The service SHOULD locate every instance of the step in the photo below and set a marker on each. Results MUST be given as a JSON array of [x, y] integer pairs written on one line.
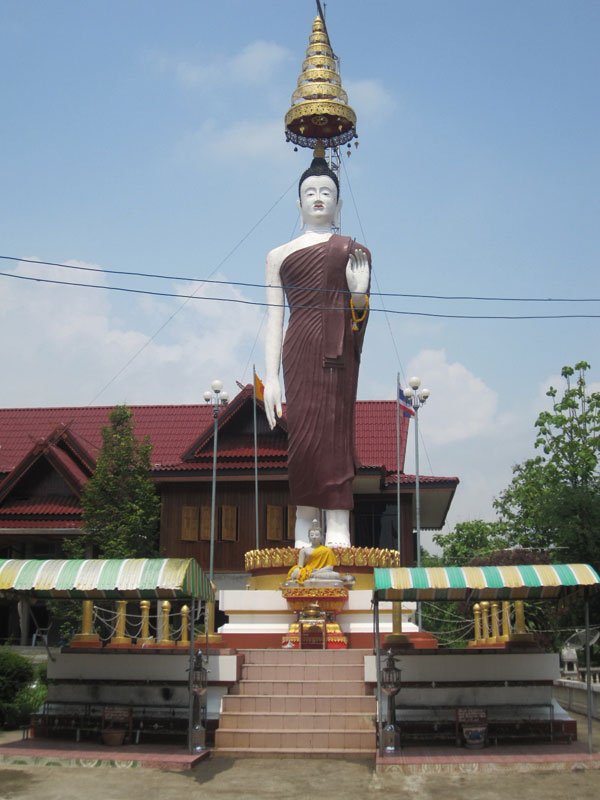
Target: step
[[303, 672], [291, 752], [293, 656], [323, 721], [337, 704], [306, 688], [300, 739]]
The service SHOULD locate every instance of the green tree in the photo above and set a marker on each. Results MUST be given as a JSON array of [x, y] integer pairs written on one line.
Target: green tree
[[470, 539], [121, 508], [553, 500]]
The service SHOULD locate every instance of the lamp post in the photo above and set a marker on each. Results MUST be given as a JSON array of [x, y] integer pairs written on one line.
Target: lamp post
[[417, 398], [391, 678], [217, 397]]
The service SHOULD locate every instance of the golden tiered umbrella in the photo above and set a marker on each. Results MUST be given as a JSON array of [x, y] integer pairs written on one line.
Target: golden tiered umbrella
[[320, 110]]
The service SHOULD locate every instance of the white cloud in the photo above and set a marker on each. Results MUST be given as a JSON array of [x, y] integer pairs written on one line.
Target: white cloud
[[240, 141], [67, 343], [461, 405], [257, 63], [369, 98]]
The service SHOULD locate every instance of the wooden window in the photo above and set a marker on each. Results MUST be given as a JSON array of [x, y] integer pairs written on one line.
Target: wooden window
[[190, 517], [274, 522], [229, 528], [205, 523], [291, 523]]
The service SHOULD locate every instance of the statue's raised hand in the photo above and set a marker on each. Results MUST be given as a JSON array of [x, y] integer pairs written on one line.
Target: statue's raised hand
[[357, 272], [272, 395]]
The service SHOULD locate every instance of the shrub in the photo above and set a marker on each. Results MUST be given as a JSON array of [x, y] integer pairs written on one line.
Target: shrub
[[17, 696], [42, 674], [26, 702], [16, 672]]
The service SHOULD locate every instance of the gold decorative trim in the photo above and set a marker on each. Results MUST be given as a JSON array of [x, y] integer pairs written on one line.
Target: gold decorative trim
[[330, 108], [317, 74], [310, 591], [314, 90], [318, 49], [318, 61], [282, 557]]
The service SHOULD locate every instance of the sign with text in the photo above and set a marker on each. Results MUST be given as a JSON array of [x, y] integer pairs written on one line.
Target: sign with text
[[471, 716]]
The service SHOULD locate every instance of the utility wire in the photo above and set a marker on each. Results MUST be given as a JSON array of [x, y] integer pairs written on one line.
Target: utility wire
[[374, 273], [264, 304], [407, 295]]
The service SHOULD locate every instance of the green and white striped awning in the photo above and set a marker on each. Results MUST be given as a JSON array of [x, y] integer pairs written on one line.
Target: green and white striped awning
[[113, 578], [523, 582]]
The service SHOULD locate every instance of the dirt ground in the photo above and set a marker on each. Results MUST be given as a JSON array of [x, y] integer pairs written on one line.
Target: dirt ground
[[292, 779]]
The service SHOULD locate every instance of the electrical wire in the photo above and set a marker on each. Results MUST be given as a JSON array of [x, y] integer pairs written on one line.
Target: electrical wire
[[187, 297], [247, 284]]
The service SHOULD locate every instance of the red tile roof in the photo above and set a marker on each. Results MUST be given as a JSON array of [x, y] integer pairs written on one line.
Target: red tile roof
[[410, 480], [35, 522], [50, 505], [171, 428], [179, 430]]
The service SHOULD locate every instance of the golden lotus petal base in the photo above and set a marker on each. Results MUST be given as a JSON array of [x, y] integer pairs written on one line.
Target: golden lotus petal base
[[282, 558]]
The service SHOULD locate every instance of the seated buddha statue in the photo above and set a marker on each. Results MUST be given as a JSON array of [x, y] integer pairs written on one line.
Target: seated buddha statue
[[316, 562]]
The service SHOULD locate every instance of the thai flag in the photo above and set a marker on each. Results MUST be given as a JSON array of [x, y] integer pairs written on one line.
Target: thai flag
[[405, 406]]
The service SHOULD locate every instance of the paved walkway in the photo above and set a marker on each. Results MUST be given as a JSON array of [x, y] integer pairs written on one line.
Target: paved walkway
[[293, 779]]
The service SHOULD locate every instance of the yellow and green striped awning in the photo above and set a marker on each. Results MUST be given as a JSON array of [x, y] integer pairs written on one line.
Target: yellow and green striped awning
[[524, 582], [113, 577]]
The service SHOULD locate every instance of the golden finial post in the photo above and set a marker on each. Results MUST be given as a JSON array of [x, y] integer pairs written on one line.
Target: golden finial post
[[165, 641], [485, 628], [476, 626], [184, 641], [495, 630], [119, 638], [505, 620], [87, 637], [145, 638]]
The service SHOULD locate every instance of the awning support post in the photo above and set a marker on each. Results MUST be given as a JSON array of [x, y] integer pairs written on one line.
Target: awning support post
[[588, 671], [191, 680], [378, 670]]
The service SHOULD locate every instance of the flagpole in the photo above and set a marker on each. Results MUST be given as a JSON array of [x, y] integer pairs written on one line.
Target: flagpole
[[255, 457], [398, 467]]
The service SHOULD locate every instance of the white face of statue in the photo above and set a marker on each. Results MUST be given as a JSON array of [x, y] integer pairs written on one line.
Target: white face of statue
[[318, 202], [314, 537]]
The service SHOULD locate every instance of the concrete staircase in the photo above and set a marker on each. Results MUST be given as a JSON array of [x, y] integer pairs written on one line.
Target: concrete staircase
[[304, 703]]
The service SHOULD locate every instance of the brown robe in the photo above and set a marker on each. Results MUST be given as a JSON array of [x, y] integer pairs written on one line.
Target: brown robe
[[321, 357]]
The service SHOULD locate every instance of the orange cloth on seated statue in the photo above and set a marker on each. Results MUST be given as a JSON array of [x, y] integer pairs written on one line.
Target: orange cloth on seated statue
[[320, 557]]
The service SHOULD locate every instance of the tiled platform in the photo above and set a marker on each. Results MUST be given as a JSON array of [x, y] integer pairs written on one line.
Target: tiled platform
[[58, 752], [513, 758]]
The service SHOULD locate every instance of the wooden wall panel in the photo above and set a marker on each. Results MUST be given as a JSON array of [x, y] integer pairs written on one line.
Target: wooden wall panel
[[229, 555], [205, 515], [274, 523], [229, 528], [190, 518]]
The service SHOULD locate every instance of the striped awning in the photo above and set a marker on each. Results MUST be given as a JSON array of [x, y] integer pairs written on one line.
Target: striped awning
[[530, 581], [96, 578]]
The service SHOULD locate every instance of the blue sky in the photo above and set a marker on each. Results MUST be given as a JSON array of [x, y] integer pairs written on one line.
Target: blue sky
[[148, 136]]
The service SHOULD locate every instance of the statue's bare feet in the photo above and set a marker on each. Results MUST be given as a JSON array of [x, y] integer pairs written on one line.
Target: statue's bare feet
[[338, 528]]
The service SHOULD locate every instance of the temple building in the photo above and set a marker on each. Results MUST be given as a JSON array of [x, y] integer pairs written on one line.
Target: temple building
[[47, 455]]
